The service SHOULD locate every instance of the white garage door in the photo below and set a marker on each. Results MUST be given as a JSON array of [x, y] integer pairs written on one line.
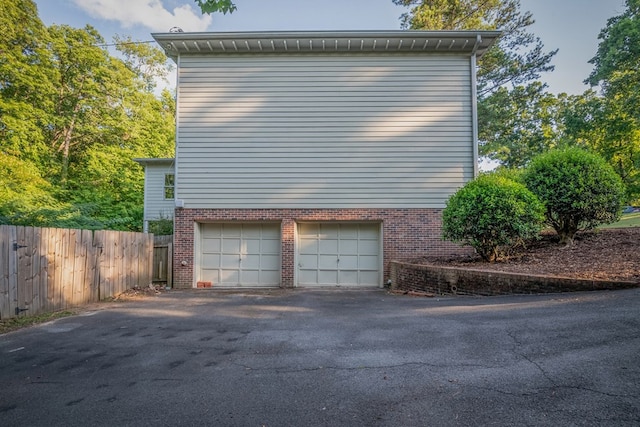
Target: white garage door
[[240, 255], [338, 254]]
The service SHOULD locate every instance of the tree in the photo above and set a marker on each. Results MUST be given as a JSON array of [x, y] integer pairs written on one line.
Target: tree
[[83, 74], [25, 85], [516, 125], [211, 6], [516, 58], [491, 212], [617, 115], [617, 61], [579, 190]]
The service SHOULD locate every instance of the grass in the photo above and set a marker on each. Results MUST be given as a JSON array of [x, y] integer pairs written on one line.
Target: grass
[[16, 323], [626, 221]]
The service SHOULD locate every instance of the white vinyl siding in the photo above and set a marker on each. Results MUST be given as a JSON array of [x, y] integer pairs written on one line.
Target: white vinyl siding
[[156, 206], [322, 131]]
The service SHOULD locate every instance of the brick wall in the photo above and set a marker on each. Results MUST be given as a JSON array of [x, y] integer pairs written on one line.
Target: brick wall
[[407, 233], [443, 280]]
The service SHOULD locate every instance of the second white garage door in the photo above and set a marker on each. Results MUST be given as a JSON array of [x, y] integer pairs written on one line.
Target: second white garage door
[[338, 254], [240, 255]]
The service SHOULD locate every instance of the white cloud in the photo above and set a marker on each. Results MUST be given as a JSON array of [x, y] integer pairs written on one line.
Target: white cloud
[[150, 13]]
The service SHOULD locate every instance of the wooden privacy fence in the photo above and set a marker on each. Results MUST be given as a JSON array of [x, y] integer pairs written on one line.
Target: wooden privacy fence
[[49, 269]]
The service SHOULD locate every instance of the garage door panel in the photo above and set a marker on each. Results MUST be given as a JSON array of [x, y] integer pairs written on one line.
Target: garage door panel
[[269, 262], [348, 277], [368, 262], [308, 261], [348, 247], [327, 277], [209, 232], [229, 276], [271, 233], [250, 277], [347, 233], [251, 246], [327, 261], [369, 277], [211, 259], [308, 276], [369, 231], [250, 262], [270, 247], [368, 247], [308, 246], [231, 246], [229, 261], [211, 245], [308, 229], [327, 231], [348, 262], [270, 276], [328, 246], [231, 230], [212, 276]]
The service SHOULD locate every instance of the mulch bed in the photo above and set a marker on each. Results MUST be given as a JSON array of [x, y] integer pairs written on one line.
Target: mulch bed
[[607, 254]]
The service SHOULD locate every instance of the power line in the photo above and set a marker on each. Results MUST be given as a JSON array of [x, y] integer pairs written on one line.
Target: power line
[[125, 43]]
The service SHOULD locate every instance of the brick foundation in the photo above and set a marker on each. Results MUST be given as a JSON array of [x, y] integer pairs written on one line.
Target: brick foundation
[[407, 234]]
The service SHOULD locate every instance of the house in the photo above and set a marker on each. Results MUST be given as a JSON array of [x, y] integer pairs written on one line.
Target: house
[[159, 202], [314, 158]]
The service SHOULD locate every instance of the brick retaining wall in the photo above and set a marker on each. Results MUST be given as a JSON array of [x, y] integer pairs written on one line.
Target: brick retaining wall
[[442, 280]]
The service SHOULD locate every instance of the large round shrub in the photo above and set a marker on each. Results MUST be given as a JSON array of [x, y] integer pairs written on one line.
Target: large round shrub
[[492, 212], [580, 190]]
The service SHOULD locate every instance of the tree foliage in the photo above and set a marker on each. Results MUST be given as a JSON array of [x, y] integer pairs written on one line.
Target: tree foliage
[[211, 6], [73, 117], [517, 58], [518, 124], [579, 190], [490, 213], [616, 116]]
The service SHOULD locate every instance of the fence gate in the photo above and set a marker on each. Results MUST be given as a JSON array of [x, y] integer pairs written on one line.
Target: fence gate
[[162, 260]]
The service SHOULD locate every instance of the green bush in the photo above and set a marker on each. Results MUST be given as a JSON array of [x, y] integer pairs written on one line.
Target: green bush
[[490, 213], [580, 190]]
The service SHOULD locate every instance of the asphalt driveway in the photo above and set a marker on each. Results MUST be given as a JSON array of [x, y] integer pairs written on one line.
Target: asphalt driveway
[[329, 358]]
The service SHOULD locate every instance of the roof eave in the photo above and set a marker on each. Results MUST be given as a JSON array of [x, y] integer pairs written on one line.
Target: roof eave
[[310, 42]]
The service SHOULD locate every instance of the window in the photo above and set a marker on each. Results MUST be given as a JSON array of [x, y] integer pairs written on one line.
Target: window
[[168, 186]]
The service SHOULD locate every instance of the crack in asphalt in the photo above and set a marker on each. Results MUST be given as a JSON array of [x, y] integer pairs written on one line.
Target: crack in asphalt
[[357, 368], [551, 380]]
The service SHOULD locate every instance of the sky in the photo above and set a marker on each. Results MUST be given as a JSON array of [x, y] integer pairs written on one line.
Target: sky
[[569, 25]]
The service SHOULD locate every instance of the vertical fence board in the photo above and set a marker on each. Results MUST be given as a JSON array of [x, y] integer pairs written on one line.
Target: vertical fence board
[[13, 271], [90, 262], [170, 264], [99, 245], [59, 274], [148, 259], [51, 268], [5, 258], [43, 251], [35, 244], [24, 270]]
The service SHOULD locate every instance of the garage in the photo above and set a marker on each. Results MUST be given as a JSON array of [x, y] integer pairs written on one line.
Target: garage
[[338, 254], [240, 255]]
